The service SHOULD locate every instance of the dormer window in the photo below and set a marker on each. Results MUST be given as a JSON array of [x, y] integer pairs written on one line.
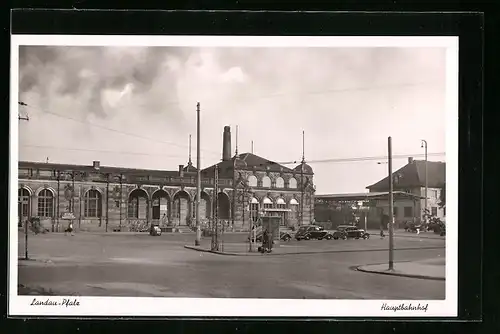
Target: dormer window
[[266, 182]]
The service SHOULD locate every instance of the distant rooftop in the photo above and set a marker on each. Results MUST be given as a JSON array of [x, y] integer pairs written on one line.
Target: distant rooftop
[[413, 175], [247, 161], [365, 196]]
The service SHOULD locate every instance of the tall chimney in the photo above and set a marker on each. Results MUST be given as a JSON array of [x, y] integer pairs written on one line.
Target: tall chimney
[[226, 144], [181, 170], [410, 160]]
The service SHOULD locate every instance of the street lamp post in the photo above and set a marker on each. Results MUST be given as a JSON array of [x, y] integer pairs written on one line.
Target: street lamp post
[[120, 179], [424, 145], [391, 208]]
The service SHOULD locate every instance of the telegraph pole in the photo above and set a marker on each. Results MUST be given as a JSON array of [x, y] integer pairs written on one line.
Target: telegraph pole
[[198, 177], [302, 182], [234, 180], [391, 209], [26, 228], [21, 118], [424, 144], [107, 201], [215, 211]]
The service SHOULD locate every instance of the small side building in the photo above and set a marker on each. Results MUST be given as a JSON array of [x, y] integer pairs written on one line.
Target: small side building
[[411, 179], [332, 210]]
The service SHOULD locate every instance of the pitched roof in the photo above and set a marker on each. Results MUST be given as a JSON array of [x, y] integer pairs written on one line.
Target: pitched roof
[[90, 169], [190, 168], [307, 169], [413, 175], [364, 196], [246, 161]]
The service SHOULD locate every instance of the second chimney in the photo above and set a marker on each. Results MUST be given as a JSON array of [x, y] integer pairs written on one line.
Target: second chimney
[[410, 160], [226, 144], [97, 165], [181, 170]]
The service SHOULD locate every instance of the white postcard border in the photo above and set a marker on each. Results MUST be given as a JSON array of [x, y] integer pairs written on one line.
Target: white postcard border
[[232, 307]]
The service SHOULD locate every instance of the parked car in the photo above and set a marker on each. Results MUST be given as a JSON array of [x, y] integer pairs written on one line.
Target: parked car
[[155, 231], [348, 232], [284, 236], [414, 227], [313, 232]]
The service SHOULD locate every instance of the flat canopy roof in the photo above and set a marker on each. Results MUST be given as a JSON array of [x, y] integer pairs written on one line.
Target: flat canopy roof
[[276, 210], [367, 196]]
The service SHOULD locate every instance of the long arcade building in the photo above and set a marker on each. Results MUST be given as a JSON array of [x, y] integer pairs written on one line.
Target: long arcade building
[[123, 199]]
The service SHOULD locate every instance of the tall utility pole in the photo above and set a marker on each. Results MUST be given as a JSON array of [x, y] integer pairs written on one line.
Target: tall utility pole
[[391, 208], [198, 177], [424, 145], [215, 211], [107, 200], [21, 118], [302, 182], [26, 228], [233, 209]]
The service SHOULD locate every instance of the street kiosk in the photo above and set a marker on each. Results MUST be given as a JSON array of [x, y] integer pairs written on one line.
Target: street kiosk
[[272, 219]]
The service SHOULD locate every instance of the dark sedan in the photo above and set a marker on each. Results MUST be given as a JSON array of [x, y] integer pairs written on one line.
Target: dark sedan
[[313, 232], [284, 236], [350, 232]]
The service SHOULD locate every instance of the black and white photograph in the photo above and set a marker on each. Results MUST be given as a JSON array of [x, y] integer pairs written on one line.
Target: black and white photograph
[[234, 176]]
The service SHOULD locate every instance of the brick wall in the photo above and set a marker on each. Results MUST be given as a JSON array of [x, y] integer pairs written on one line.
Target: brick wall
[[115, 200]]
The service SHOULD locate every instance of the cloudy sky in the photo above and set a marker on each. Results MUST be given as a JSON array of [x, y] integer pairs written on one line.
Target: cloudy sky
[[136, 106]]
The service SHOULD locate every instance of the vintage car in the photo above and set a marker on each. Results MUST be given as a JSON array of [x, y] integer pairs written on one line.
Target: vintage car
[[313, 232], [155, 231], [284, 236], [348, 232]]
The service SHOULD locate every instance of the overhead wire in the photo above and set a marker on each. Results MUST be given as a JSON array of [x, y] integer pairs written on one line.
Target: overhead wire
[[333, 160], [111, 129], [400, 85], [100, 151], [356, 159]]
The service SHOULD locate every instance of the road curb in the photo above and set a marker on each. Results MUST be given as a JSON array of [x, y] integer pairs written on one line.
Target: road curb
[[361, 269], [199, 249], [418, 236]]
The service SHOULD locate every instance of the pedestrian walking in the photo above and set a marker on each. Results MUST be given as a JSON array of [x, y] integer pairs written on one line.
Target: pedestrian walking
[[383, 222], [69, 229]]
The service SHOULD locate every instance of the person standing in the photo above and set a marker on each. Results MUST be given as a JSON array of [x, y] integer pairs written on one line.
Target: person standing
[[384, 221], [265, 240], [69, 229]]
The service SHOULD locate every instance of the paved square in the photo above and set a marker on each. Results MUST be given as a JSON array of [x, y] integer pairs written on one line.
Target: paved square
[[141, 265]]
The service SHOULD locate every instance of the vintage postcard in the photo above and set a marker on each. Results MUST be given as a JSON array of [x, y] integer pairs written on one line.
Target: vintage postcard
[[233, 176]]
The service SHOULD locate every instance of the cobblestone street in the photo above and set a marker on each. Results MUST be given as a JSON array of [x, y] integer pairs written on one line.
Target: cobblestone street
[[140, 265]]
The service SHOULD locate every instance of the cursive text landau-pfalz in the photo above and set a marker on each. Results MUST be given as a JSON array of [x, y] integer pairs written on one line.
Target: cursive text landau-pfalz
[[48, 302]]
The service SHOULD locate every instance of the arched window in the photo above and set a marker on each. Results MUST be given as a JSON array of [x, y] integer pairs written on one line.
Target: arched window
[[138, 204], [268, 204], [93, 204], [24, 202], [254, 209], [280, 203], [280, 183], [252, 181], [266, 182], [294, 207], [45, 203], [292, 183], [133, 207]]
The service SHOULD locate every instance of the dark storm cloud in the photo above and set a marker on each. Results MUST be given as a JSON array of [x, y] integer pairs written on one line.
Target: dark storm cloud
[[89, 71]]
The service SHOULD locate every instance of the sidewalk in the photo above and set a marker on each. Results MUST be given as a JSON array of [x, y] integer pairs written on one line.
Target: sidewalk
[[241, 249], [432, 269], [404, 234]]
